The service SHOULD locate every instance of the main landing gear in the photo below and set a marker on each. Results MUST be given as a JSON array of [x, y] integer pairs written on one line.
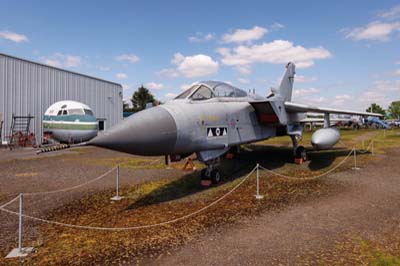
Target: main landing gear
[[211, 173], [299, 152]]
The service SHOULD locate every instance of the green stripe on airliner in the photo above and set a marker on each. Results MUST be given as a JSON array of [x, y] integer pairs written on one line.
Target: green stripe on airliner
[[69, 126]]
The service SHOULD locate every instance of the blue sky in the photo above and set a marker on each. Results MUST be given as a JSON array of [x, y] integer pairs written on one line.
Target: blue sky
[[347, 52]]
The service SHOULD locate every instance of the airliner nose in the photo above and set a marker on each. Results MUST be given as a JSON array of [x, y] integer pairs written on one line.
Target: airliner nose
[[149, 132]]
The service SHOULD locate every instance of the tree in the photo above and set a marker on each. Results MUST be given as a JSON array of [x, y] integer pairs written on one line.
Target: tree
[[376, 108], [394, 110], [140, 98]]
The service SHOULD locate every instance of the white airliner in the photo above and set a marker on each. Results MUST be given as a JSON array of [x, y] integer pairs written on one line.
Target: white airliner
[[70, 122]]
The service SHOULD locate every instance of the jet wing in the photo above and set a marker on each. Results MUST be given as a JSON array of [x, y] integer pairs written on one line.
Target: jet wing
[[301, 108]]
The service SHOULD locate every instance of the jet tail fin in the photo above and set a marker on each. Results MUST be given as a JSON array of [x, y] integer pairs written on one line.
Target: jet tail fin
[[286, 86]]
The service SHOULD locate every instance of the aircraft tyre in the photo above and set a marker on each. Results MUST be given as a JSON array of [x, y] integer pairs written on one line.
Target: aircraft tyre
[[301, 153], [215, 177], [203, 174]]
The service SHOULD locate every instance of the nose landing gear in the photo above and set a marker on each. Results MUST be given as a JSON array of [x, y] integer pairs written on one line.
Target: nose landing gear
[[211, 173]]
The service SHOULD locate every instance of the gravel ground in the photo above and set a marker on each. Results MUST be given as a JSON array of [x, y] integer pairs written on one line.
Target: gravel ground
[[24, 171], [368, 208]]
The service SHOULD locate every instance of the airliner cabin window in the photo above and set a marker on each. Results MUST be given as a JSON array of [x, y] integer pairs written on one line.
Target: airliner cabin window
[[202, 93], [76, 112]]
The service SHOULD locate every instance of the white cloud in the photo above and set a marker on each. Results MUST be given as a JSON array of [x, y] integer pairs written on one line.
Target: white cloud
[[170, 95], [187, 86], [154, 86], [303, 79], [305, 92], [342, 99], [121, 76], [103, 68], [131, 58], [126, 87], [276, 26], [392, 13], [275, 52], [128, 101], [245, 35], [12, 36], [314, 100], [375, 31], [244, 69], [168, 72], [199, 65], [382, 92], [201, 37], [396, 72], [243, 80], [61, 60]]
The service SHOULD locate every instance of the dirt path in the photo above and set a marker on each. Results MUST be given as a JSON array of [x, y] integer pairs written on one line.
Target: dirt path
[[368, 208]]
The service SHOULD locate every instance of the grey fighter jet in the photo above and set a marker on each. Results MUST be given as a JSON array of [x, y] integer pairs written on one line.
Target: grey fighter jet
[[210, 118]]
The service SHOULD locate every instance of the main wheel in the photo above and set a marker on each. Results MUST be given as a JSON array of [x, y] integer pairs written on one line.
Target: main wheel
[[301, 153], [215, 176]]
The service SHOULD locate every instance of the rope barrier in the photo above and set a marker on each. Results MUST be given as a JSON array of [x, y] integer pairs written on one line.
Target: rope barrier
[[134, 227], [312, 177], [9, 202], [71, 188]]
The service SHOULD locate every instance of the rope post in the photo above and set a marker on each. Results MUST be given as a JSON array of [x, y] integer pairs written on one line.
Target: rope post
[[20, 251], [258, 196], [21, 199], [117, 196], [355, 160], [372, 147]]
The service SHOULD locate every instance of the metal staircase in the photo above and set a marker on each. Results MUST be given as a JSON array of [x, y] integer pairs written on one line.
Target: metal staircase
[[20, 135]]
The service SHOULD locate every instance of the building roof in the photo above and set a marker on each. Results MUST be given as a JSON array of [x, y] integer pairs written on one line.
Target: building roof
[[59, 69]]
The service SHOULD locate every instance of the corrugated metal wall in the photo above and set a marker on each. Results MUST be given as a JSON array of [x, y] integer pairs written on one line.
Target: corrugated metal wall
[[30, 88]]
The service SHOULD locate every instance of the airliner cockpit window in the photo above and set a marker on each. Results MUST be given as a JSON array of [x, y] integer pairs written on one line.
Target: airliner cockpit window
[[202, 93], [88, 112]]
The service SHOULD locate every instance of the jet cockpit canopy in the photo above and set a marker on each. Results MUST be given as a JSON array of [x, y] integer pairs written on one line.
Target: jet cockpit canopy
[[211, 89]]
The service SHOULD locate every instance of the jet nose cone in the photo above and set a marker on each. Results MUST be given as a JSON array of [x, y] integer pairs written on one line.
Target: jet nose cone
[[149, 132]]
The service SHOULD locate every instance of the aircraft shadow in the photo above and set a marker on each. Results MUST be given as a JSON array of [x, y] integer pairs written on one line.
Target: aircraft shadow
[[187, 185], [272, 157], [323, 159]]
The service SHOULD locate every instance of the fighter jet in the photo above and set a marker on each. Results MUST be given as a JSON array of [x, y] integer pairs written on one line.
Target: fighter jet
[[211, 118]]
